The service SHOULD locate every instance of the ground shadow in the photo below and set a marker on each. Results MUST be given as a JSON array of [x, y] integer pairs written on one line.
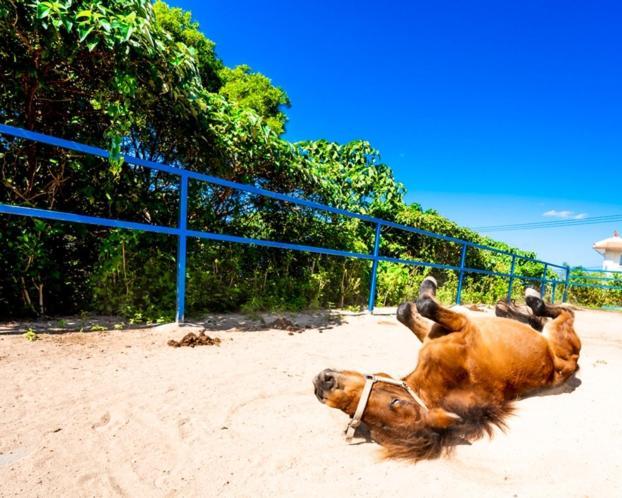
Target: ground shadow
[[289, 321], [234, 322], [567, 387], [70, 324]]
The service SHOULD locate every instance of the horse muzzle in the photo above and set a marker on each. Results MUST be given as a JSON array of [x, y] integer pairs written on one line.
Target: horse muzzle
[[324, 382]]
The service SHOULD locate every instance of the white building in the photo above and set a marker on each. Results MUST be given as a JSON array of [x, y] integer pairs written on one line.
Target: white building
[[611, 250]]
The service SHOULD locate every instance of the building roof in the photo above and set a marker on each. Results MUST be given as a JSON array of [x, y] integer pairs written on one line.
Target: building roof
[[612, 243]]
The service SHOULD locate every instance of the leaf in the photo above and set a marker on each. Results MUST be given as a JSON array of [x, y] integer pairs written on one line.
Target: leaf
[[92, 45], [40, 226], [43, 10], [84, 32]]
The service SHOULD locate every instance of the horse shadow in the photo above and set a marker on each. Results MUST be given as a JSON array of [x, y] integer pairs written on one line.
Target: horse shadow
[[565, 388]]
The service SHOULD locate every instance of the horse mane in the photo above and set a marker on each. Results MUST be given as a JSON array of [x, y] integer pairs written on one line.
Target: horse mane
[[428, 442]]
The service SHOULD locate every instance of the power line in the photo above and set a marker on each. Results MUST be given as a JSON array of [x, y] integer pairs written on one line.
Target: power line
[[562, 223], [557, 222], [550, 224], [559, 225]]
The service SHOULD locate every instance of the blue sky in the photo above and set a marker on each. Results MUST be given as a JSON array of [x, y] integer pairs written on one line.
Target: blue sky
[[489, 112]]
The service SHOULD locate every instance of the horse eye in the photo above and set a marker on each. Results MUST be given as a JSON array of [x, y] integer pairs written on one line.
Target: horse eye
[[395, 402]]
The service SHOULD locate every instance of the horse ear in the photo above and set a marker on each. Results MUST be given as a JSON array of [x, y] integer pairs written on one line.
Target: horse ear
[[438, 418], [383, 374]]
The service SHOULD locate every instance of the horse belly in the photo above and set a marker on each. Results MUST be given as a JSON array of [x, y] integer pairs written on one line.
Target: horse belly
[[515, 358]]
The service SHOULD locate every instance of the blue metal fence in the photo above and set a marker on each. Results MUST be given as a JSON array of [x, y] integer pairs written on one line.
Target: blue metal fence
[[182, 232], [583, 277]]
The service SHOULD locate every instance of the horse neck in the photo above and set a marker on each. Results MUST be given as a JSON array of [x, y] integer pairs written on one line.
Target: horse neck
[[415, 382]]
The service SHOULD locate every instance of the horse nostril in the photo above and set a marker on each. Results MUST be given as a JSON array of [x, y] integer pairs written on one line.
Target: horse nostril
[[328, 380]]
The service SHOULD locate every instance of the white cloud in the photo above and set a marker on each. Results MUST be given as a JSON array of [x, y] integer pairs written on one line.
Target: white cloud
[[558, 214], [565, 214]]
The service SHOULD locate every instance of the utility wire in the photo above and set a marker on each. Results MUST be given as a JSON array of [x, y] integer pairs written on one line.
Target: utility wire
[[557, 222], [550, 224], [554, 223]]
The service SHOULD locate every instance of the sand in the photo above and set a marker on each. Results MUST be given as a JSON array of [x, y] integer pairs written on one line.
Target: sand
[[120, 413]]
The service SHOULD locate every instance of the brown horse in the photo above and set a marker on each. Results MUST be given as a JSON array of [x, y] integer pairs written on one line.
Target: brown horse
[[471, 366]]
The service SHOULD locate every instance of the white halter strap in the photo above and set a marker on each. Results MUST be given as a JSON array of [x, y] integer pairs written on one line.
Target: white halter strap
[[370, 380]]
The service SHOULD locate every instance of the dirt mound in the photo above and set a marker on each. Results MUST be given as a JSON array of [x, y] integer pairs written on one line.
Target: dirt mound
[[192, 340], [283, 324]]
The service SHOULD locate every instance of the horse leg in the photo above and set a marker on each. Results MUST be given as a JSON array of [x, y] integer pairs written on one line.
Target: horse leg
[[539, 307], [563, 341], [407, 314], [422, 326], [429, 307], [564, 344], [507, 310]]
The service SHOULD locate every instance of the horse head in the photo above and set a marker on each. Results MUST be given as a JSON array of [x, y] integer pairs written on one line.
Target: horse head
[[394, 418]]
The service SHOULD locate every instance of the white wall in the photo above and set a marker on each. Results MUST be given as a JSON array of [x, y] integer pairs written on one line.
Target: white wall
[[611, 260]]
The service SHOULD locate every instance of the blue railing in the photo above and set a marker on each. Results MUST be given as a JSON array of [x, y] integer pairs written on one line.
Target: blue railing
[[182, 232], [583, 277]]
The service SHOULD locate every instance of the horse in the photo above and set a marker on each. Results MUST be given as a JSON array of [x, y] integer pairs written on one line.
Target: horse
[[470, 369]]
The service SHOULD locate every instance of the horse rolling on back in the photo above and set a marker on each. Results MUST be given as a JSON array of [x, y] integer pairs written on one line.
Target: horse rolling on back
[[471, 367]]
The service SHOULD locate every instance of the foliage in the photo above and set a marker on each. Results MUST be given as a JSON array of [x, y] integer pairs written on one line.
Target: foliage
[[595, 289], [255, 91], [141, 78]]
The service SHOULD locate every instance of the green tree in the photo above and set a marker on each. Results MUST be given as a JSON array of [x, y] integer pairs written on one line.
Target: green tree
[[255, 91]]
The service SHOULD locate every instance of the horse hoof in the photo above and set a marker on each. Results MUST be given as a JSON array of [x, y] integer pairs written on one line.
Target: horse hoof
[[428, 286], [403, 314]]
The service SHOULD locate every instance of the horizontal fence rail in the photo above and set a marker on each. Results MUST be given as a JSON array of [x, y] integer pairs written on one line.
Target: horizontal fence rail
[[595, 279], [182, 232]]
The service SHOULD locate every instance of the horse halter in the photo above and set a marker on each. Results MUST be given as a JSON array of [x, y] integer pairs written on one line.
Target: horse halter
[[370, 380]]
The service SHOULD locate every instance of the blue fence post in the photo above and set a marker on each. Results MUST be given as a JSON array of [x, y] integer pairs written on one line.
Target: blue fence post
[[181, 247], [461, 274], [509, 298], [553, 292], [566, 285], [374, 270], [543, 281]]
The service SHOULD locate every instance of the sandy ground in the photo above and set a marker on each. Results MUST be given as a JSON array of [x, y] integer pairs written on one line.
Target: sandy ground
[[120, 413]]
